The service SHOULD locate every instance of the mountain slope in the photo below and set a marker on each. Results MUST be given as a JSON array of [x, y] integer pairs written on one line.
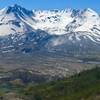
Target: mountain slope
[[12, 20], [71, 31]]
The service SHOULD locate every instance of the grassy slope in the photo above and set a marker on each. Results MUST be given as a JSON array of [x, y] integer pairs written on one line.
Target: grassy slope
[[84, 86]]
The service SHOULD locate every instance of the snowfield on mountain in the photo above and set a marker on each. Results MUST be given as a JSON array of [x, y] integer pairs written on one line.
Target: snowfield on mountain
[[69, 30]]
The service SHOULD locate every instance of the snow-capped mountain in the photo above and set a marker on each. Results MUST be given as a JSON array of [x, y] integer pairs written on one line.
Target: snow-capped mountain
[[49, 30]]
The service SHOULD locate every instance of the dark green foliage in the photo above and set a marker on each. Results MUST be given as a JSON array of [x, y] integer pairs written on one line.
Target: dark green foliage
[[82, 86]]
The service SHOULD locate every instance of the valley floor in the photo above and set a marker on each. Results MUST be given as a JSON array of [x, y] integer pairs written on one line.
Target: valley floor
[[49, 77]]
